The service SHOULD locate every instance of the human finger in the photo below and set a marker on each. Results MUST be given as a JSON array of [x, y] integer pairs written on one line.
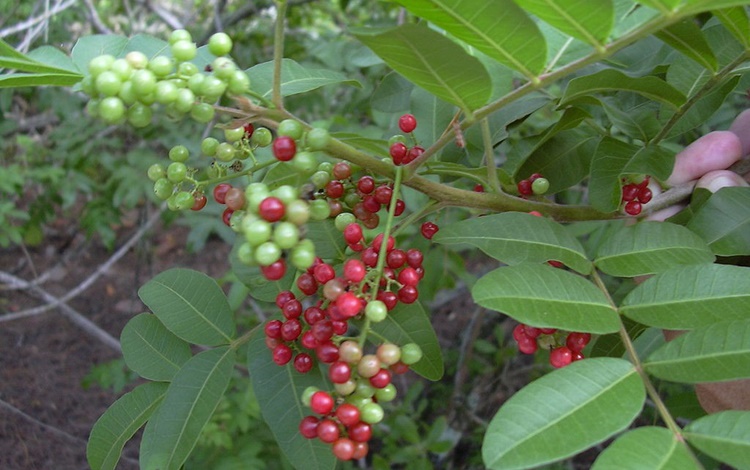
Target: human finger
[[741, 128], [716, 150], [715, 180]]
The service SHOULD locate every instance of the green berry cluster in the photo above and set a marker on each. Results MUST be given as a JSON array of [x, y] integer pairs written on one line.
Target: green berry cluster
[[126, 88]]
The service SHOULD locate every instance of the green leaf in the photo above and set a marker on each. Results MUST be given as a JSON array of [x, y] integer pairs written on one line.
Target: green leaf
[[687, 37], [724, 221], [392, 94], [499, 29], [563, 413], [433, 62], [410, 324], [54, 58], [736, 21], [724, 436], [189, 403], [515, 237], [329, 241], [191, 305], [715, 353], [88, 47], [295, 78], [151, 350], [702, 110], [649, 447], [649, 248], [6, 50], [120, 422], [278, 390], [544, 296], [21, 80], [696, 6], [662, 5], [615, 159], [591, 22], [638, 122], [283, 173], [27, 65], [691, 297], [435, 116], [609, 80]]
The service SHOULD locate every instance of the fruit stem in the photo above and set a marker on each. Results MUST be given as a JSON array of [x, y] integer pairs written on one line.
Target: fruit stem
[[278, 53], [489, 156], [245, 172]]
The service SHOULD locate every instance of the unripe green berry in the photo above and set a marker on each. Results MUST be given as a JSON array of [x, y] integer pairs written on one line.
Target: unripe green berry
[[137, 59], [290, 128], [540, 186], [371, 413], [320, 179], [286, 193], [286, 235], [111, 109], [184, 51], [319, 209], [144, 82], [180, 35], [317, 139], [225, 152], [220, 44], [209, 146], [302, 255], [298, 212], [239, 83], [184, 200], [122, 68], [267, 253], [163, 188], [386, 394], [184, 101], [166, 92], [156, 172], [179, 153], [343, 220], [139, 115], [108, 83], [161, 66], [376, 311], [223, 68], [234, 135], [100, 64], [176, 172], [307, 394], [187, 69], [246, 254], [256, 231], [325, 166], [304, 162], [261, 137], [411, 353], [202, 112]]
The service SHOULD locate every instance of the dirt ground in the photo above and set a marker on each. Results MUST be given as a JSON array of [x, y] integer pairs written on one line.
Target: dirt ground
[[45, 414]]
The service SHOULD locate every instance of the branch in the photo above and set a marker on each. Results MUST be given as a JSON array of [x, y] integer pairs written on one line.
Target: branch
[[24, 25], [94, 17]]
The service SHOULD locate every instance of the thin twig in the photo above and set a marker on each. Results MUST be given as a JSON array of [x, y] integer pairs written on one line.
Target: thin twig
[[103, 268], [166, 16], [31, 22], [94, 16]]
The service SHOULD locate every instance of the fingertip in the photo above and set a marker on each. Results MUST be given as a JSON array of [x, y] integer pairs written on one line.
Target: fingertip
[[741, 128], [715, 180], [716, 150]]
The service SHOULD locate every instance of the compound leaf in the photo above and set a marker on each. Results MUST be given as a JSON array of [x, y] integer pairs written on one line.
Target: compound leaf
[[724, 221], [295, 78], [687, 37], [647, 447], [591, 22], [724, 436], [609, 80]]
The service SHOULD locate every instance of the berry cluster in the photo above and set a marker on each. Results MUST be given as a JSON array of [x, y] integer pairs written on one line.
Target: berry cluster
[[124, 89], [635, 195], [535, 185], [351, 198], [399, 151], [562, 353]]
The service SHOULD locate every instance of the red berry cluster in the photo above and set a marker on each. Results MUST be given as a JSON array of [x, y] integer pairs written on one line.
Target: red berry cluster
[[364, 196], [535, 184], [635, 195], [399, 151], [530, 339]]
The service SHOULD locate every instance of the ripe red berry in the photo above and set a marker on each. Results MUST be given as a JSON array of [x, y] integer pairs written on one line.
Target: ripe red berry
[[398, 152], [577, 341], [414, 258], [408, 294], [273, 329], [414, 153], [629, 192], [400, 207], [314, 315], [328, 431], [378, 241], [478, 188], [321, 402], [334, 189], [366, 184], [519, 332], [220, 191], [429, 229], [199, 202], [341, 171], [308, 427], [390, 299], [343, 448], [226, 216], [282, 354], [633, 207], [354, 270], [307, 284], [303, 363], [235, 199], [369, 256], [381, 379], [408, 277], [339, 372], [383, 194], [271, 209], [527, 345], [274, 271], [524, 188], [284, 297], [308, 340], [560, 357], [249, 129], [291, 329], [348, 304], [324, 272], [322, 330], [360, 432], [292, 309], [284, 148], [370, 204], [396, 258], [352, 233], [327, 352], [407, 123], [347, 414], [645, 195]]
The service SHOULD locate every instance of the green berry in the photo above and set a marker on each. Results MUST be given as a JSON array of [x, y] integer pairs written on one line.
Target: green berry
[[320, 179], [267, 253], [184, 200], [220, 44], [239, 83], [179, 35], [376, 311], [108, 83], [386, 394], [371, 413], [411, 353], [100, 64], [137, 59], [139, 115], [184, 101], [184, 51], [122, 68], [179, 153], [298, 212], [166, 92], [343, 220], [257, 231], [262, 137], [156, 172], [304, 162], [246, 254], [195, 83], [307, 394], [234, 135], [127, 94], [202, 112], [286, 235], [540, 186], [161, 66], [225, 152], [223, 68], [111, 109], [209, 145], [319, 209], [144, 82], [317, 139], [302, 255], [286, 193], [176, 172], [187, 69], [290, 128], [163, 188], [212, 88], [325, 166]]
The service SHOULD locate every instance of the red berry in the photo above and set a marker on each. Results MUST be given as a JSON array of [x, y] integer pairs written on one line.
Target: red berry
[[531, 332], [348, 304], [322, 330], [408, 294], [577, 356], [327, 352], [273, 329], [408, 277], [390, 299], [340, 327], [321, 402], [400, 207], [352, 233], [354, 270], [303, 363], [370, 204], [645, 195], [226, 216], [478, 188], [369, 256], [399, 368], [341, 171], [629, 192], [535, 176], [560, 357], [343, 449], [429, 229], [398, 152], [308, 340], [249, 129], [347, 414], [378, 241], [396, 258], [360, 450], [324, 272], [220, 191], [548, 331], [407, 123], [577, 341], [307, 284], [274, 271], [339, 372], [519, 332], [381, 379], [291, 329], [328, 431], [292, 309], [360, 432], [284, 148], [383, 194], [633, 208], [313, 315], [527, 345], [414, 258], [282, 354], [235, 199], [414, 153], [283, 297], [524, 188], [366, 184], [199, 202], [308, 427], [536, 214], [334, 189], [271, 209]]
